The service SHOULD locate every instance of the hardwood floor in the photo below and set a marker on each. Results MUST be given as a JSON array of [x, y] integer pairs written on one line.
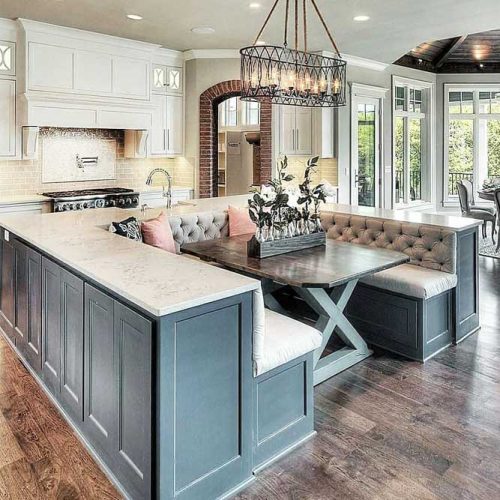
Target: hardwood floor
[[392, 428], [387, 428]]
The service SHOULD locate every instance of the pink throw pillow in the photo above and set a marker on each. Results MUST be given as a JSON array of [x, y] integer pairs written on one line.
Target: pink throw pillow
[[239, 221], [158, 233]]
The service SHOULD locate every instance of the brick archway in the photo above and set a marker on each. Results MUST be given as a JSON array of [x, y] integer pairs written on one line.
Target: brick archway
[[209, 102]]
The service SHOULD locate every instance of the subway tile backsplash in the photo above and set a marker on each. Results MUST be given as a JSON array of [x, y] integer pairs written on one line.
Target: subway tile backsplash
[[25, 177]]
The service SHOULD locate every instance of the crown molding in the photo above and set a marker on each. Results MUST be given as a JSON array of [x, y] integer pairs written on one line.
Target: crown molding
[[211, 54]]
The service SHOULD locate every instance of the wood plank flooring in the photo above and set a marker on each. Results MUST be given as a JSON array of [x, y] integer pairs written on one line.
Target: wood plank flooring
[[388, 428]]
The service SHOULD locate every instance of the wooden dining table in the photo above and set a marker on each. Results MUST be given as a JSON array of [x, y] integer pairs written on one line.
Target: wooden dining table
[[487, 194], [324, 277]]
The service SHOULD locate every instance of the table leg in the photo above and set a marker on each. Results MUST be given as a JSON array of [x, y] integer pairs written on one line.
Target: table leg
[[330, 308]]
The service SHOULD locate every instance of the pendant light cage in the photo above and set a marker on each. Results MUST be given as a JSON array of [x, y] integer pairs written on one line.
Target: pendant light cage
[[292, 76]]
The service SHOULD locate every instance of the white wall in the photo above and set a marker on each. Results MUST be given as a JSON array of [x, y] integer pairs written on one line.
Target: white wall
[[201, 74]]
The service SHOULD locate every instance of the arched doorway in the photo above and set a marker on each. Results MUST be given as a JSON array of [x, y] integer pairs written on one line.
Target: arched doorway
[[209, 102]]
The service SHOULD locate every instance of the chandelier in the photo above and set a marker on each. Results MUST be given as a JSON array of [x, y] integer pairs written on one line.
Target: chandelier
[[292, 76]]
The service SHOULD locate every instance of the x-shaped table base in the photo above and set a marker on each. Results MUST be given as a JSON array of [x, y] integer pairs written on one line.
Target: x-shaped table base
[[331, 319]]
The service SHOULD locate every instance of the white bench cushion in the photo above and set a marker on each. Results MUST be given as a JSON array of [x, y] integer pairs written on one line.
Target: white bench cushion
[[413, 281], [285, 339]]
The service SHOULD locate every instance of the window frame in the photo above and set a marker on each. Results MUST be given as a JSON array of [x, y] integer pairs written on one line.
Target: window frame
[[475, 117], [426, 115]]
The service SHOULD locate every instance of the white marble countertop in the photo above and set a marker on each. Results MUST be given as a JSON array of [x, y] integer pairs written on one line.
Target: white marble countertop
[[449, 221], [157, 281], [144, 188], [23, 198]]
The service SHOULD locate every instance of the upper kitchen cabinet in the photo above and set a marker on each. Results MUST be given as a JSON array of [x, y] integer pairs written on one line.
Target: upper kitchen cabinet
[[306, 131], [296, 131], [167, 135], [167, 79], [7, 58], [63, 60], [54, 68]]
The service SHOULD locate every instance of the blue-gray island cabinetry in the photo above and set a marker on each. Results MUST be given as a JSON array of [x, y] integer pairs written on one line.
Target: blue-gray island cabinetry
[[164, 402]]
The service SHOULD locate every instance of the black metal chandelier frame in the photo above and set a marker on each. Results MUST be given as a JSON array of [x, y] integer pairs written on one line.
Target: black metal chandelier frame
[[292, 76]]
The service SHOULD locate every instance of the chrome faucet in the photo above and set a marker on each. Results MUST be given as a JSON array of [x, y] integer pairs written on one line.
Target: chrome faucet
[[167, 193]]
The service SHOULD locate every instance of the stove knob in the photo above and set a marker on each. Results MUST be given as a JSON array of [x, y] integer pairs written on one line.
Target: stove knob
[[79, 206], [135, 200], [128, 201], [65, 207], [121, 202], [100, 203], [112, 203]]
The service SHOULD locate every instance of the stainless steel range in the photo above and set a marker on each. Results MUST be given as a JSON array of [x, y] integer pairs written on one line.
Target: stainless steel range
[[65, 201]]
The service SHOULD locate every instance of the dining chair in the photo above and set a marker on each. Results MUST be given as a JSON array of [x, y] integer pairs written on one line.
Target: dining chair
[[470, 193], [496, 198], [469, 211]]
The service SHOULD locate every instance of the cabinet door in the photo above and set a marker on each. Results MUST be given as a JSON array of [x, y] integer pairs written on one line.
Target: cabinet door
[[131, 78], [159, 127], [287, 130], [303, 131], [100, 417], [72, 344], [50, 67], [28, 328], [174, 80], [132, 354], [8, 290], [159, 79], [175, 125], [93, 72], [51, 325], [7, 118]]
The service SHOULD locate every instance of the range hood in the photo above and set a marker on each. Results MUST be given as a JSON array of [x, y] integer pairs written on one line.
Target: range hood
[[43, 109]]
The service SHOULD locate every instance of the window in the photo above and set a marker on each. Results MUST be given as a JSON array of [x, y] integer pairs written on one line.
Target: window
[[472, 136], [411, 141], [234, 112]]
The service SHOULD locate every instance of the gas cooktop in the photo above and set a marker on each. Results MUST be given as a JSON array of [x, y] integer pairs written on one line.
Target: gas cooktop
[[87, 192], [64, 201]]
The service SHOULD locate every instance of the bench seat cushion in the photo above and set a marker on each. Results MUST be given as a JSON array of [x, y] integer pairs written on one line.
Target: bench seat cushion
[[413, 281], [285, 339]]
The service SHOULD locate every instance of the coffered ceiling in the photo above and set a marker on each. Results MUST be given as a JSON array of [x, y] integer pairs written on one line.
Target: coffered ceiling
[[394, 27]]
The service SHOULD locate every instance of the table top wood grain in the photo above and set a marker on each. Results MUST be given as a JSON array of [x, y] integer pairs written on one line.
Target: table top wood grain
[[327, 266]]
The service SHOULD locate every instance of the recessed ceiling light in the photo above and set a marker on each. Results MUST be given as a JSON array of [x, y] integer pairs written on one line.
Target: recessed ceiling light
[[361, 19], [134, 17], [203, 30], [255, 5], [260, 42]]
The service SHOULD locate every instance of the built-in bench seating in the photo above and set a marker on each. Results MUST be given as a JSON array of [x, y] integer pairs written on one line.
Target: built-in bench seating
[[406, 309], [282, 359]]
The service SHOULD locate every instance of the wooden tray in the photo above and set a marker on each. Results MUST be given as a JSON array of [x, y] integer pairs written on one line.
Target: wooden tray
[[286, 245]]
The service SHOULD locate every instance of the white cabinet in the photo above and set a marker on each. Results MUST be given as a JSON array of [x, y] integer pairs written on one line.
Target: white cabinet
[[175, 125], [7, 58], [167, 135], [155, 199], [159, 127], [54, 68], [166, 79], [93, 72], [7, 118], [50, 67], [130, 78], [295, 131]]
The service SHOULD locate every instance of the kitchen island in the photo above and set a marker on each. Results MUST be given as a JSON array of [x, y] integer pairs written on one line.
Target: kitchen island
[[147, 354]]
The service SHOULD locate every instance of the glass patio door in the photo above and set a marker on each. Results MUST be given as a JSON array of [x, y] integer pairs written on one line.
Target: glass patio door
[[365, 173]]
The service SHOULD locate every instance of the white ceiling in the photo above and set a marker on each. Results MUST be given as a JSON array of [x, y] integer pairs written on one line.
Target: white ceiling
[[395, 27]]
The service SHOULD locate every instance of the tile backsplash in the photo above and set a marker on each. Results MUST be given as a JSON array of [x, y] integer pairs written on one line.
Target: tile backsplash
[[25, 177]]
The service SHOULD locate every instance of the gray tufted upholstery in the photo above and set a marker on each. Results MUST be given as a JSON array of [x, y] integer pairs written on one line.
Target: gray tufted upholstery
[[198, 227], [427, 246]]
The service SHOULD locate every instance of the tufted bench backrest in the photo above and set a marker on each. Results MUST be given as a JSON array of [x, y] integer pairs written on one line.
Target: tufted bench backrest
[[198, 227], [427, 246]]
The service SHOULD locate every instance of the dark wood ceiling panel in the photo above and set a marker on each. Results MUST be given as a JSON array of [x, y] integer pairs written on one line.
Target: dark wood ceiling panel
[[478, 52]]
